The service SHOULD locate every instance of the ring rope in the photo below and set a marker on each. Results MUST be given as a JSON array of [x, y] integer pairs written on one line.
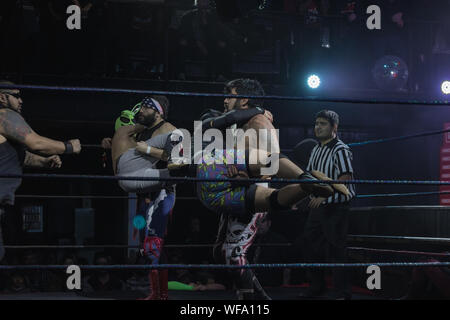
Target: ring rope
[[240, 181], [405, 137], [226, 266], [353, 144], [407, 239], [404, 252], [411, 194], [177, 246], [361, 196], [237, 181], [41, 196], [196, 94], [124, 246], [112, 246], [96, 146]]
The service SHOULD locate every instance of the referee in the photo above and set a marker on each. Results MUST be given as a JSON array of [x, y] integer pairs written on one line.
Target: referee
[[327, 223]]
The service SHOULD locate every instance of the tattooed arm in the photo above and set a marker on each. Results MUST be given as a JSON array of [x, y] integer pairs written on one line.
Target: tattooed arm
[[14, 127], [33, 160]]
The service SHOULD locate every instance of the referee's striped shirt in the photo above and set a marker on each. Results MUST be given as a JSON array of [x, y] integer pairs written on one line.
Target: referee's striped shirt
[[333, 159]]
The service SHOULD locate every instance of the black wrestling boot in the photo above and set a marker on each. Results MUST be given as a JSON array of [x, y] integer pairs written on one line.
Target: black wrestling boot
[[182, 170], [322, 190]]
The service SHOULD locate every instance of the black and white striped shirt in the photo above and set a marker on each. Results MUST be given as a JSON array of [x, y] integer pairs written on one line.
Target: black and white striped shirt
[[333, 159]]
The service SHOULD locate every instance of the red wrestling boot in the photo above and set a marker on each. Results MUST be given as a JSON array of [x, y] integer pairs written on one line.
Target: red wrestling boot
[[153, 277], [163, 284], [152, 250]]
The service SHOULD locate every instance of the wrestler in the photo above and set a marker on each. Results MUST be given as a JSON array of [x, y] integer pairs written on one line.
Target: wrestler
[[139, 159], [237, 230], [146, 159], [21, 146], [236, 233]]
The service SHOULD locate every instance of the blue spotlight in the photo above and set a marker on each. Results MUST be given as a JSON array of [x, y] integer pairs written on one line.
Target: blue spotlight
[[313, 81]]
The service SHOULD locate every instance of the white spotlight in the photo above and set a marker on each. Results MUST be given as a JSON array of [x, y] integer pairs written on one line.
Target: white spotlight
[[313, 81], [445, 87]]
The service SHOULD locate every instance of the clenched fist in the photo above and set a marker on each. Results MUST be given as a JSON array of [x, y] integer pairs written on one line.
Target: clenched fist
[[107, 143], [53, 162], [76, 144], [141, 147]]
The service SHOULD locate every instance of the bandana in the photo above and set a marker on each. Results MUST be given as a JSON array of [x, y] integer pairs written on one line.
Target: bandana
[[152, 103]]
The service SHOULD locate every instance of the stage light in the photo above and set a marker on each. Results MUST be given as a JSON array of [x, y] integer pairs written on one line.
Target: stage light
[[313, 81], [445, 87]]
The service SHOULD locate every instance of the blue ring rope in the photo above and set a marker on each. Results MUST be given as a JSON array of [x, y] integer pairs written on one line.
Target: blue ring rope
[[416, 135], [383, 195], [237, 181], [353, 144], [362, 196], [168, 246], [196, 94], [225, 266]]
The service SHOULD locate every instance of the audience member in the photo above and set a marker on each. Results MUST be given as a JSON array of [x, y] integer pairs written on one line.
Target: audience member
[[196, 235], [102, 280]]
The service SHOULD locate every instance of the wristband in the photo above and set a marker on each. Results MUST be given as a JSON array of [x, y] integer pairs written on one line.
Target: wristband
[[68, 147], [148, 150]]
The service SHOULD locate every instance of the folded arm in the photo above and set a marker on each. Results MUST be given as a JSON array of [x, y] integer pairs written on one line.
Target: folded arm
[[33, 160], [154, 152], [36, 161]]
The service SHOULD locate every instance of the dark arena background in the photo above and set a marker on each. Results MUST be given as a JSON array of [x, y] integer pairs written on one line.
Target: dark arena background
[[384, 83]]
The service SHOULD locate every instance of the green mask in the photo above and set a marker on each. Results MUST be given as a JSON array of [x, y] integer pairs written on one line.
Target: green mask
[[127, 117]]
